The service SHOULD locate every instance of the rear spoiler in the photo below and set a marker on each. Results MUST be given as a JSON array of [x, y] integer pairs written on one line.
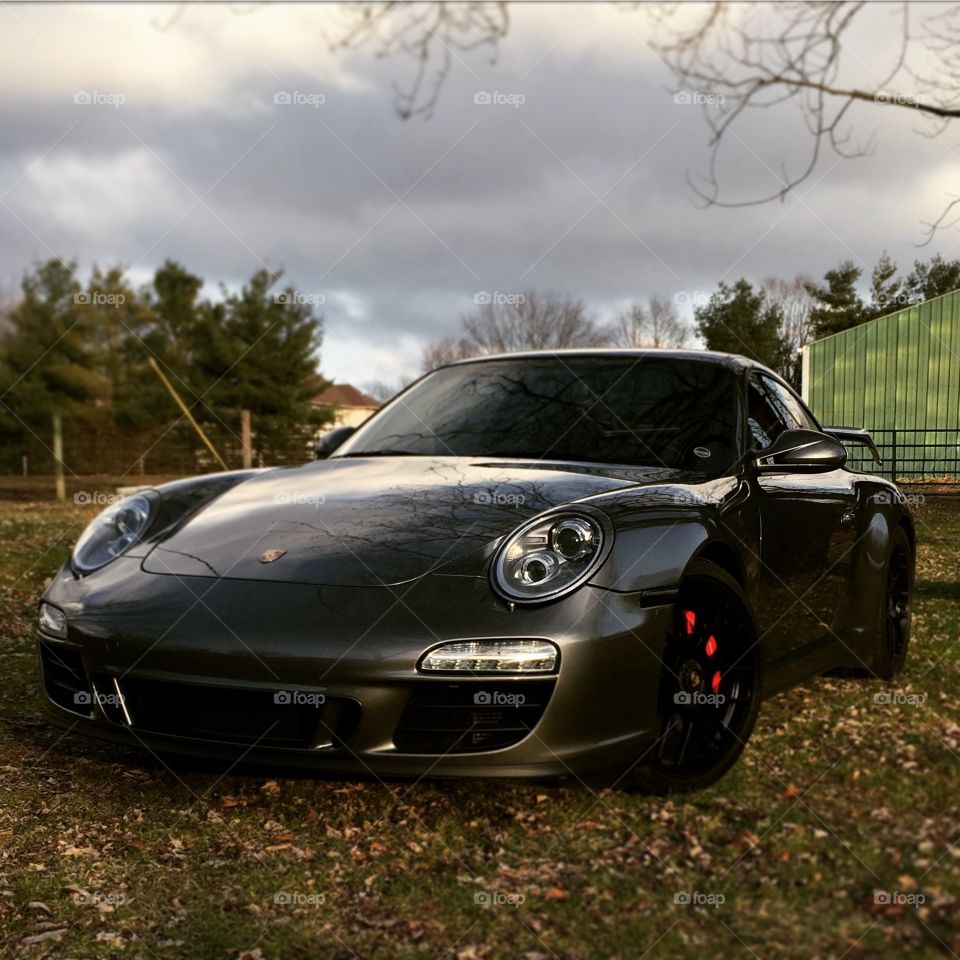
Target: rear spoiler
[[855, 435]]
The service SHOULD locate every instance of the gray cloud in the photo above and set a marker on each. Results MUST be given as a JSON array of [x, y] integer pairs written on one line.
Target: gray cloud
[[499, 198]]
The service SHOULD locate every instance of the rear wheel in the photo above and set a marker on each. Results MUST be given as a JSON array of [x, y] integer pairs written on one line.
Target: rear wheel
[[894, 639], [709, 692]]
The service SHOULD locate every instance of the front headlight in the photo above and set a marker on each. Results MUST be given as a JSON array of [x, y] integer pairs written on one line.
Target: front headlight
[[550, 556], [113, 533]]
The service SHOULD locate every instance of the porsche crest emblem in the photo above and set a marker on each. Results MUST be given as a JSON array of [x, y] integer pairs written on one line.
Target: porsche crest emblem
[[269, 556]]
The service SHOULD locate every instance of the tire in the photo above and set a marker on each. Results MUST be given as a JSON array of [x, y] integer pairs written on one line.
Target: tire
[[893, 638], [700, 739]]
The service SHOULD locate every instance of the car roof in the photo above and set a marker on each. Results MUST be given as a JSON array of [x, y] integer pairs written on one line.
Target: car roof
[[733, 360]]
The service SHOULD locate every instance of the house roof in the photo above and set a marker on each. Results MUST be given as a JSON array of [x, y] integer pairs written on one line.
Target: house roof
[[344, 395]]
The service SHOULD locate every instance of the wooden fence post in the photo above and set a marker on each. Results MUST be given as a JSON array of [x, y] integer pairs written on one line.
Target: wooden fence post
[[245, 442], [58, 457]]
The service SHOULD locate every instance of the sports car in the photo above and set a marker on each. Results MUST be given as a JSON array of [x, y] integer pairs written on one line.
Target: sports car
[[540, 564]]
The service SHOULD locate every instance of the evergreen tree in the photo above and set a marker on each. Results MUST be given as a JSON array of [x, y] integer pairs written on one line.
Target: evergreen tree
[[49, 362], [886, 289], [932, 279], [838, 305], [739, 319], [258, 352], [167, 329]]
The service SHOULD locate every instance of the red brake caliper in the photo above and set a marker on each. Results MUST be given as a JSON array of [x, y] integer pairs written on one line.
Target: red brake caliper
[[711, 649]]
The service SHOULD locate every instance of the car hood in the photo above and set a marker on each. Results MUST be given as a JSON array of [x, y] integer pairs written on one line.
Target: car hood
[[385, 520]]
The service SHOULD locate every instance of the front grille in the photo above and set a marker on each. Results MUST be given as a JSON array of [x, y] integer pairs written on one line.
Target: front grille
[[470, 717], [237, 715], [65, 679]]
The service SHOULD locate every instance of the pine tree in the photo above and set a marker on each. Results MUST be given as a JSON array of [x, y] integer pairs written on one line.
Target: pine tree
[[886, 289], [739, 319], [49, 362], [838, 305], [258, 351], [932, 279]]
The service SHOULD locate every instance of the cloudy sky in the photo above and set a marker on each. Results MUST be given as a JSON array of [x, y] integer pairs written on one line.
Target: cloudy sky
[[573, 177]]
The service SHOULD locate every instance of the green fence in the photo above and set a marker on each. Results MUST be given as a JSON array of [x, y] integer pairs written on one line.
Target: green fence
[[899, 376]]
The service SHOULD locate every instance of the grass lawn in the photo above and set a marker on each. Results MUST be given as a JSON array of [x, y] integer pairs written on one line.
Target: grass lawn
[[105, 851]]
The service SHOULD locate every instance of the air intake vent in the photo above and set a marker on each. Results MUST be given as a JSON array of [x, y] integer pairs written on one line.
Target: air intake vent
[[252, 717], [469, 718], [65, 680]]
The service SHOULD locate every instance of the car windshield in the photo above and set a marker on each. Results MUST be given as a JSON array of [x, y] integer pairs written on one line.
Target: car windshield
[[634, 409]]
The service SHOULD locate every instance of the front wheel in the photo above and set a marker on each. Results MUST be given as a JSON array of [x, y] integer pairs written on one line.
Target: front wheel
[[709, 692]]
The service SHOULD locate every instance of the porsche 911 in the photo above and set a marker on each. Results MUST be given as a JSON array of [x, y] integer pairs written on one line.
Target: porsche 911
[[549, 564]]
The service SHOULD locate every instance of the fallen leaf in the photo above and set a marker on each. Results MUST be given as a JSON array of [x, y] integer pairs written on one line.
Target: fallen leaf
[[78, 852]]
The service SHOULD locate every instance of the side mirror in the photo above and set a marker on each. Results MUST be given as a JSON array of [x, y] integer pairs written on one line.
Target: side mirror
[[330, 440], [801, 451]]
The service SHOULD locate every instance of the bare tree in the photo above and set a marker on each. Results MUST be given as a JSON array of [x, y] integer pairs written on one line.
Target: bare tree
[[741, 57], [795, 301], [735, 57], [442, 352], [383, 390], [432, 35], [656, 325], [522, 321]]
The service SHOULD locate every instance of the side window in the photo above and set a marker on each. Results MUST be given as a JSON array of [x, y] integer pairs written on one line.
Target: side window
[[765, 420], [788, 406]]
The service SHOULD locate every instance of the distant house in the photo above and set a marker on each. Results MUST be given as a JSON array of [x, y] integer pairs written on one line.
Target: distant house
[[351, 406]]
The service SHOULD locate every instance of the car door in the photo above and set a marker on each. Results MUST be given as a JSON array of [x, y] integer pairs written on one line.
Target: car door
[[808, 525]]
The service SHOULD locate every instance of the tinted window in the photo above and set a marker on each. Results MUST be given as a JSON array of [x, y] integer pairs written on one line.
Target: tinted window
[[788, 406], [655, 411]]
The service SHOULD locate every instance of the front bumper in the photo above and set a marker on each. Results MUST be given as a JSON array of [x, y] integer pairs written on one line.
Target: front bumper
[[326, 677]]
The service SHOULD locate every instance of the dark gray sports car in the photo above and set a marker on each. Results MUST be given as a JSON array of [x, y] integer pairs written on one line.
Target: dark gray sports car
[[526, 565]]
